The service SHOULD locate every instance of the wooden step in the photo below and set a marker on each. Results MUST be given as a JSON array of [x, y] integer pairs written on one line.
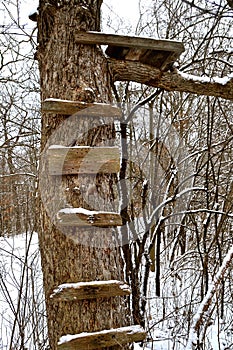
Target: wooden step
[[83, 160], [102, 339], [159, 53], [90, 290], [91, 37], [83, 218], [66, 107]]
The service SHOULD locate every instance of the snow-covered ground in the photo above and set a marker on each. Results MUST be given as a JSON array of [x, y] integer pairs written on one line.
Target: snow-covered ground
[[215, 340], [22, 311]]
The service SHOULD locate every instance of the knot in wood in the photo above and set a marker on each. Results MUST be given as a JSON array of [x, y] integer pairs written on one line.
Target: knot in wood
[[91, 219]]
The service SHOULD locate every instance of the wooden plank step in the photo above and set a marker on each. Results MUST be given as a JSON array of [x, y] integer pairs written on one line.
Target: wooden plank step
[[102, 339], [83, 160], [90, 290], [66, 107], [154, 52], [82, 217]]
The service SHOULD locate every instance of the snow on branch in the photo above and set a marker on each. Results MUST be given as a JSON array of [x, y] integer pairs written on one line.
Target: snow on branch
[[171, 81], [204, 306], [206, 79]]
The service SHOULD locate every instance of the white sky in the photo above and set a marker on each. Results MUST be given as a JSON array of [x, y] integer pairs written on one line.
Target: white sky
[[126, 11], [124, 8]]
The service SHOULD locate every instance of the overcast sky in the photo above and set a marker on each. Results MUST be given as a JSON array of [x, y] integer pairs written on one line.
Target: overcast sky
[[124, 8], [118, 16], [126, 11]]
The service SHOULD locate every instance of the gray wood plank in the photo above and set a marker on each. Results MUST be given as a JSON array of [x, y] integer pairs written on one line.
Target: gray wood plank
[[129, 41], [84, 218], [83, 160], [67, 107], [90, 290], [102, 339]]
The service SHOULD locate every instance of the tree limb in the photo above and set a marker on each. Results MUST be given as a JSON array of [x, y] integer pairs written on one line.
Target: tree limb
[[170, 81], [205, 304], [203, 10]]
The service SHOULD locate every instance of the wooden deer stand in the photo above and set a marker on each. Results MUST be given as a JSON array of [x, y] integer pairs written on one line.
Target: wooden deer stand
[[67, 161]]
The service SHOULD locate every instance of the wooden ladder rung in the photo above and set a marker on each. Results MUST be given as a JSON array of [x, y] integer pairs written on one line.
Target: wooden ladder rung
[[67, 107], [90, 290], [83, 160], [82, 217], [102, 339]]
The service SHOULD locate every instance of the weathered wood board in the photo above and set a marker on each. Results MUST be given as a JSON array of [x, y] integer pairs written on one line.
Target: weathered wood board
[[66, 107], [102, 339], [128, 41], [158, 53], [155, 58], [82, 217], [90, 290], [83, 160]]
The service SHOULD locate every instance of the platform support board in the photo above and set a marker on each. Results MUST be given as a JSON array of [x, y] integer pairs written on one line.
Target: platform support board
[[90, 290], [102, 339], [83, 160], [66, 107], [129, 41], [158, 53], [87, 218]]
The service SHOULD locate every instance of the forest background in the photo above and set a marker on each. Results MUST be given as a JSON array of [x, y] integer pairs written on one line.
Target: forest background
[[188, 181]]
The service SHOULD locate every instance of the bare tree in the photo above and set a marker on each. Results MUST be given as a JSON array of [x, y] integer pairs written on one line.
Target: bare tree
[[22, 310], [76, 72], [19, 124], [186, 190], [175, 180]]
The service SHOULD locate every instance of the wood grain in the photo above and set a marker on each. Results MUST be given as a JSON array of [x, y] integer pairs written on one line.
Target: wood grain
[[103, 339], [83, 160], [90, 290], [67, 107]]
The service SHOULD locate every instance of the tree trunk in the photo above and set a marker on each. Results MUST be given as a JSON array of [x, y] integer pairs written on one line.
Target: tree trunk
[[76, 72]]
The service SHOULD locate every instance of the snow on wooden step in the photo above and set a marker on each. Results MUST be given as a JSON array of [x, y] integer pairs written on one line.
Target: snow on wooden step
[[83, 160], [102, 339], [90, 290], [83, 217], [67, 107]]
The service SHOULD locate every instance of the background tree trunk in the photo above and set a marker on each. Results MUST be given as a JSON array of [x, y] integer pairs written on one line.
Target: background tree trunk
[[66, 70]]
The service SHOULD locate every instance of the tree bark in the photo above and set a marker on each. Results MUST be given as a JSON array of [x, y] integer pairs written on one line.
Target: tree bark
[[75, 72], [170, 81]]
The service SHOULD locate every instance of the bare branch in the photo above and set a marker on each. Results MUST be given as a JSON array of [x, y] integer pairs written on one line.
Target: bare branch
[[203, 308]]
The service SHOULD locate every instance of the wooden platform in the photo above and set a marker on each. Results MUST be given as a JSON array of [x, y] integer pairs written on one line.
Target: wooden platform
[[67, 107], [159, 53], [90, 290], [83, 218], [102, 339], [83, 160]]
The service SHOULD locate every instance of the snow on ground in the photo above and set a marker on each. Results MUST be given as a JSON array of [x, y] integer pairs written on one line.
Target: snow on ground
[[22, 313], [22, 310]]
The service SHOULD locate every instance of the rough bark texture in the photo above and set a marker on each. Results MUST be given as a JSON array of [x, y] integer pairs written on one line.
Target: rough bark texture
[[170, 81], [66, 69]]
